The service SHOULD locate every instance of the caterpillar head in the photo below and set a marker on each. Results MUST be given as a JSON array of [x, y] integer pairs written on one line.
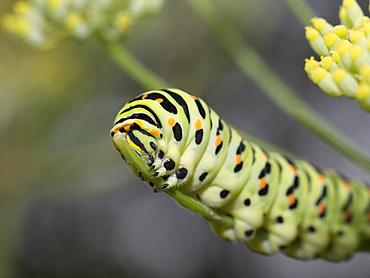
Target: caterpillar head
[[138, 134], [135, 132]]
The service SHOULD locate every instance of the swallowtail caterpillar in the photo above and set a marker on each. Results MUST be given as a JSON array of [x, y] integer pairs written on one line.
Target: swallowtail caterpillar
[[277, 204]]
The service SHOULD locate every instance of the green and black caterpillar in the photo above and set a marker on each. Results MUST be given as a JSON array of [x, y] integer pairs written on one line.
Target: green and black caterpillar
[[277, 204]]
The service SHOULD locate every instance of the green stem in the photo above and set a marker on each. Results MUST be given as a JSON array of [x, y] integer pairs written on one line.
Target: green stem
[[133, 67], [180, 197], [200, 208], [302, 11], [252, 64]]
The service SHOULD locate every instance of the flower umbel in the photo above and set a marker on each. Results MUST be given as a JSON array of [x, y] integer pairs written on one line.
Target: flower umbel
[[43, 23], [344, 66]]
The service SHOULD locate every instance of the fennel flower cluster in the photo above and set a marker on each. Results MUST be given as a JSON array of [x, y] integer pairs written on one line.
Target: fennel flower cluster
[[344, 66], [43, 23]]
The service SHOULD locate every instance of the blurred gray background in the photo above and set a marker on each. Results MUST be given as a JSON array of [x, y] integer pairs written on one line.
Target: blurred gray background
[[69, 205]]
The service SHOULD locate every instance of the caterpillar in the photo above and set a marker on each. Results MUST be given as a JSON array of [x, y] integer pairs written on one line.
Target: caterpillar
[[277, 204]]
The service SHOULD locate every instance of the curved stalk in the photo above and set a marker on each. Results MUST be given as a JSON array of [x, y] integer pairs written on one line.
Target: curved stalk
[[132, 66], [302, 11]]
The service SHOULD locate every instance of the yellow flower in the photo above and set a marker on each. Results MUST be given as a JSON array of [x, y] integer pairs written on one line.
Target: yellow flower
[[73, 19], [53, 5], [321, 25], [43, 23], [325, 81], [15, 24], [316, 41], [22, 8], [363, 95], [122, 21], [344, 50]]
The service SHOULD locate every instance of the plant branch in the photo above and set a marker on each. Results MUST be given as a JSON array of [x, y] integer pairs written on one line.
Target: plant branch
[[302, 11], [133, 67]]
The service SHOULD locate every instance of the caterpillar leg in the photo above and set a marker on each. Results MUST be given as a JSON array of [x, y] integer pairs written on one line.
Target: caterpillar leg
[[279, 227]]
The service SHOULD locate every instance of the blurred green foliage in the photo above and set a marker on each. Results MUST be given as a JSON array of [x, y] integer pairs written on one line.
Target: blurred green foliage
[[56, 108]]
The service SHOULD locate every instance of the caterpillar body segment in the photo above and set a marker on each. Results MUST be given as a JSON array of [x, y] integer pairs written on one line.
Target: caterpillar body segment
[[277, 204]]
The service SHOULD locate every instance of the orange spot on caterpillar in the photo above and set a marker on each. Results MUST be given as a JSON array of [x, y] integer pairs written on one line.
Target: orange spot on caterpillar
[[347, 184], [265, 156], [193, 97], [320, 208], [291, 199], [144, 96], [126, 127], [114, 130], [159, 100], [238, 159], [116, 148], [321, 177], [171, 122], [218, 140], [155, 132], [346, 215], [198, 124], [293, 169], [262, 183]]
